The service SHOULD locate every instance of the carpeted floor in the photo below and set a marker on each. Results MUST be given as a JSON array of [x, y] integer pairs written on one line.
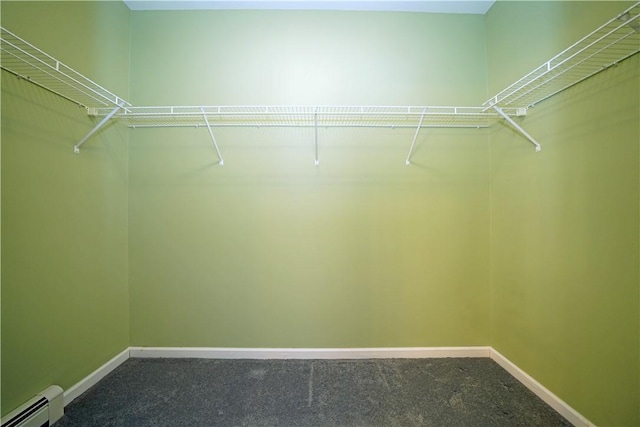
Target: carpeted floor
[[378, 392]]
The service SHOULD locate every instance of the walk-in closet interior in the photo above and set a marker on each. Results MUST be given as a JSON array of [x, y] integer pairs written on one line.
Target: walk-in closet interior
[[414, 182]]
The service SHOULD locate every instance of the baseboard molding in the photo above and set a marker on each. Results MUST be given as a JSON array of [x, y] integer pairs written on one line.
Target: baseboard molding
[[538, 389], [308, 353], [92, 379], [573, 416]]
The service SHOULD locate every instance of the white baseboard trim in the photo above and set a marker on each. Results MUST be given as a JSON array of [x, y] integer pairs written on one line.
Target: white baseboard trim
[[573, 416], [92, 379], [538, 389], [308, 353]]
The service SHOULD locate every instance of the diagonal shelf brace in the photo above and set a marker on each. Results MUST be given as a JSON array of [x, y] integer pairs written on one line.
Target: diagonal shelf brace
[[315, 126], [76, 148], [517, 127], [213, 139], [415, 137]]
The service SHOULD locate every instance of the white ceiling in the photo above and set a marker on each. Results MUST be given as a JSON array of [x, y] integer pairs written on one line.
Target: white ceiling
[[430, 6]]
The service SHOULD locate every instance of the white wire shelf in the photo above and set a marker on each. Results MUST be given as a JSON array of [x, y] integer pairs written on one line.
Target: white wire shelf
[[611, 43], [306, 116], [614, 41], [30, 63]]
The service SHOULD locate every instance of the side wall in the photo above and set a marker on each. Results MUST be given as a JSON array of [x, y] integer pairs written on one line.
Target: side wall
[[65, 307], [271, 251], [564, 222]]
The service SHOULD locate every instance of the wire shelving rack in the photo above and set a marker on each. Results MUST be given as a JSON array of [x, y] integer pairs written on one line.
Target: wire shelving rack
[[26, 61], [611, 43], [608, 45]]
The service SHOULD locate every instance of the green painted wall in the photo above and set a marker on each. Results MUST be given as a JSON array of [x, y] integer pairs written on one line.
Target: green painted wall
[[144, 240], [307, 57], [65, 308], [564, 222], [271, 251]]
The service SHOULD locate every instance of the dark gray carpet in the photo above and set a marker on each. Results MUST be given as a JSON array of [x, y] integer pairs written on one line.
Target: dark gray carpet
[[389, 392]]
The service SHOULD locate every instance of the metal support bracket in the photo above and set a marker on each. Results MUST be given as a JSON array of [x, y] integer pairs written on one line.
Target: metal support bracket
[[517, 127], [315, 126], [76, 148], [415, 137], [213, 139]]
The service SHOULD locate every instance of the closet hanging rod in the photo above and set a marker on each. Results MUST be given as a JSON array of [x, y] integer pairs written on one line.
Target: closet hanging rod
[[283, 110], [309, 126]]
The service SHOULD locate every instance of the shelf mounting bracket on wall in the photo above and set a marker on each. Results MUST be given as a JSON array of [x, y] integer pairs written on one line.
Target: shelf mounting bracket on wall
[[76, 148], [517, 127], [213, 139], [415, 137]]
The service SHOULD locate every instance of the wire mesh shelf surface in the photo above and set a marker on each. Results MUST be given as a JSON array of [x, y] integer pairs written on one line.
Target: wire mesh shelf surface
[[306, 116], [614, 41], [30, 63]]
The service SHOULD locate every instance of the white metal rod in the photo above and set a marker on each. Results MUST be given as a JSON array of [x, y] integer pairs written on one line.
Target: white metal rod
[[518, 128], [415, 137], [76, 148], [135, 112], [389, 126], [215, 144], [315, 126]]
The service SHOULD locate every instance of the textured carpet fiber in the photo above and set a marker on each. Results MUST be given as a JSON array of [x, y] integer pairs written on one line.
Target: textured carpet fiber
[[380, 392]]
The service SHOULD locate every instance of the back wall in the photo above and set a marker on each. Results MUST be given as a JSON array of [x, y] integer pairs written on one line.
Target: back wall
[[272, 251]]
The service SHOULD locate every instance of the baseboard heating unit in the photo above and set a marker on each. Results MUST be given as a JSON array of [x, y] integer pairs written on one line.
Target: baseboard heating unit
[[43, 410]]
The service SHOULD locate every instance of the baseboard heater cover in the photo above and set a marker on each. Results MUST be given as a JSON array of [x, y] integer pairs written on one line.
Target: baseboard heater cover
[[44, 409]]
